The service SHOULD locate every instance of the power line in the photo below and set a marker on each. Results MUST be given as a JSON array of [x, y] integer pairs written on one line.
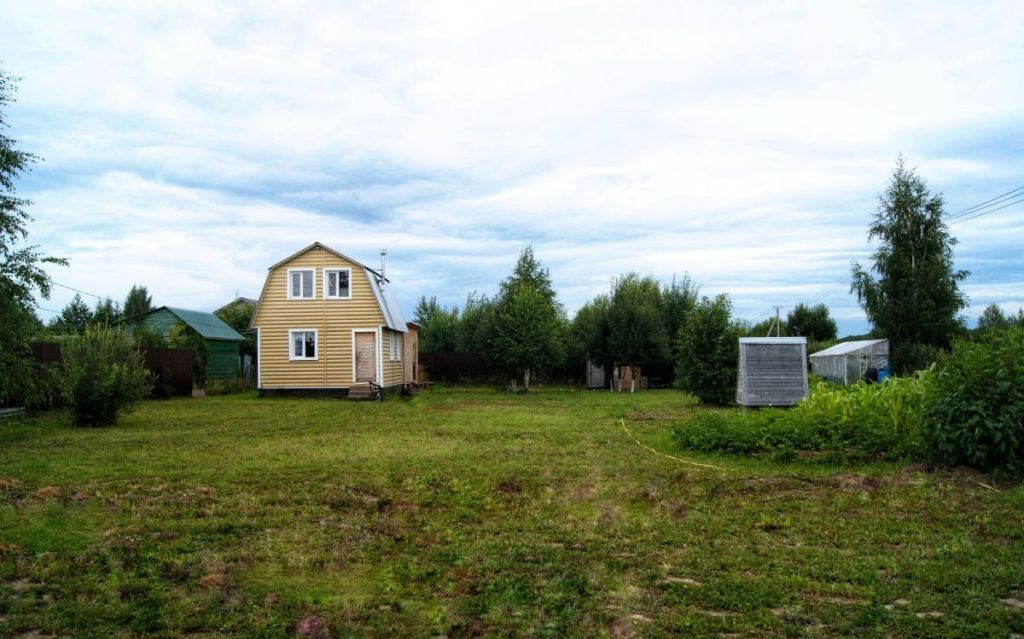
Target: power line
[[71, 288], [828, 290], [48, 310], [1018, 200], [986, 204]]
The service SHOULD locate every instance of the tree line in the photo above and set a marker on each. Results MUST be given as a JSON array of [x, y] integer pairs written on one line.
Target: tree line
[[640, 323]]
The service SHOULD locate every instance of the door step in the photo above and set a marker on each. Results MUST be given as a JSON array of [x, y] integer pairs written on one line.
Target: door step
[[363, 391]]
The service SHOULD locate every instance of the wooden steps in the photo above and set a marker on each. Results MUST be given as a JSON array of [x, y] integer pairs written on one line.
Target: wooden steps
[[364, 391]]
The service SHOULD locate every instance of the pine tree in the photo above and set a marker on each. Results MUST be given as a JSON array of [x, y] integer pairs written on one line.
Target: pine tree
[[138, 301]]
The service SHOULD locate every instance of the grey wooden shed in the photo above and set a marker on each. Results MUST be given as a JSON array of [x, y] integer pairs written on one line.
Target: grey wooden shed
[[772, 371]]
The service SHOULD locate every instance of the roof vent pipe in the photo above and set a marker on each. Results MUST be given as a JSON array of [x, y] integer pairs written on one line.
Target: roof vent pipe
[[383, 252]]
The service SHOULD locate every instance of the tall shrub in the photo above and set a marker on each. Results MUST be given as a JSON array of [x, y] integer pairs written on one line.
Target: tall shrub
[[104, 376], [708, 350], [976, 416]]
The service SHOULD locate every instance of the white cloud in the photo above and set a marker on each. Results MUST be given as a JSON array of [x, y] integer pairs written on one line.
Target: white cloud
[[742, 144]]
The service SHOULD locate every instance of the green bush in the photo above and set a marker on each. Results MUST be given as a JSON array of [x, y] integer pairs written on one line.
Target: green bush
[[25, 382], [908, 357], [148, 337], [708, 351], [977, 414], [223, 387], [742, 433], [46, 387], [163, 384], [882, 420], [15, 377], [104, 376]]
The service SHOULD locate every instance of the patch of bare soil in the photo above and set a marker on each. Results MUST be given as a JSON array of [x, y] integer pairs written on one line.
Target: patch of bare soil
[[854, 483], [49, 492], [775, 486], [628, 626], [838, 600]]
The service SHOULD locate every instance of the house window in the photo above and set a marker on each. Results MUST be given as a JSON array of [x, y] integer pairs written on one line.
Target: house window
[[302, 344], [396, 347], [300, 283], [336, 283]]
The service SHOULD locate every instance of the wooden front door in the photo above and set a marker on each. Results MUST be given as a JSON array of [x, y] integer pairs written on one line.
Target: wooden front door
[[366, 357]]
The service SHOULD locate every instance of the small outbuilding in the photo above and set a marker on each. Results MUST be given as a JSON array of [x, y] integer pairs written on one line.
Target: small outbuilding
[[411, 345], [772, 371], [222, 341], [848, 362]]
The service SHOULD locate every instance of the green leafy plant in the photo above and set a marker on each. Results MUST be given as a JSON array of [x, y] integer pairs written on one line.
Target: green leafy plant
[[46, 387], [977, 416], [163, 383], [883, 420], [104, 376], [223, 387], [708, 349]]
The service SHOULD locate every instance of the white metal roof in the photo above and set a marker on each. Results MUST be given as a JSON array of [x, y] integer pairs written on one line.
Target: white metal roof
[[773, 340], [848, 347], [388, 304]]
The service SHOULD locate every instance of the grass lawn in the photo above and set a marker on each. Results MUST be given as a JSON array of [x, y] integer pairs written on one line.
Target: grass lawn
[[467, 512]]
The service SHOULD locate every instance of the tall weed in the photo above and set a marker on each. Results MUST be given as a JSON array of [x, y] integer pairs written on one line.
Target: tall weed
[[977, 416]]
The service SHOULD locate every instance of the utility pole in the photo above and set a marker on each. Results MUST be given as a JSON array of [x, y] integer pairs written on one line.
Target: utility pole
[[778, 326]]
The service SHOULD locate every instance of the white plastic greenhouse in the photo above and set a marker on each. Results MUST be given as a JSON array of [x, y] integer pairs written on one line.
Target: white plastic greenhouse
[[849, 361]]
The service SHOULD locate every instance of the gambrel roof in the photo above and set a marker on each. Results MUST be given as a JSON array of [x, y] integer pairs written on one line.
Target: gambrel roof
[[389, 308]]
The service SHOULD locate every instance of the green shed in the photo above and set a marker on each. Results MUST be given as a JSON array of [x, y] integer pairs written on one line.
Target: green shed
[[222, 341]]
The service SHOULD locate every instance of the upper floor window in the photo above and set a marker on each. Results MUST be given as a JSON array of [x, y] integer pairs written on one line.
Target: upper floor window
[[337, 283], [300, 283]]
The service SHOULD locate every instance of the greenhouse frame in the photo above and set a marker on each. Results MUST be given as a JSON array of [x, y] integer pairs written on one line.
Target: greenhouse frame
[[848, 362]]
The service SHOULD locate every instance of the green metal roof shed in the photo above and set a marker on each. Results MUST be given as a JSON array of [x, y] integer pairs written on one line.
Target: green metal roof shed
[[222, 341]]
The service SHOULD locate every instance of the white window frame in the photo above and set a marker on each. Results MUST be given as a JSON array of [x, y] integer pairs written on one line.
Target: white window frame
[[288, 287], [316, 345], [394, 346], [338, 270]]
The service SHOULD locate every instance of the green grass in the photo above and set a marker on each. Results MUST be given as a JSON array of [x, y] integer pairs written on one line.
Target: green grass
[[467, 512]]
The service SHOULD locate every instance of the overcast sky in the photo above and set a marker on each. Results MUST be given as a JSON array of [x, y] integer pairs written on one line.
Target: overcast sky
[[190, 146]]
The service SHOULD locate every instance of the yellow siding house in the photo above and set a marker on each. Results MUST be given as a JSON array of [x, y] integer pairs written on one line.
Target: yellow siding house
[[327, 323]]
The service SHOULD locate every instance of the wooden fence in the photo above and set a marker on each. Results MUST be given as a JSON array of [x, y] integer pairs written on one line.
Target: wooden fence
[[175, 362], [454, 367]]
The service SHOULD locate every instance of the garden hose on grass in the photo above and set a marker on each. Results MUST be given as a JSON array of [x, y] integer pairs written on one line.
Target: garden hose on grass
[[656, 452]]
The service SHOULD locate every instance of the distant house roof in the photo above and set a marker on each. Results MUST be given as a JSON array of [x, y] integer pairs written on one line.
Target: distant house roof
[[238, 300], [849, 347], [206, 324]]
